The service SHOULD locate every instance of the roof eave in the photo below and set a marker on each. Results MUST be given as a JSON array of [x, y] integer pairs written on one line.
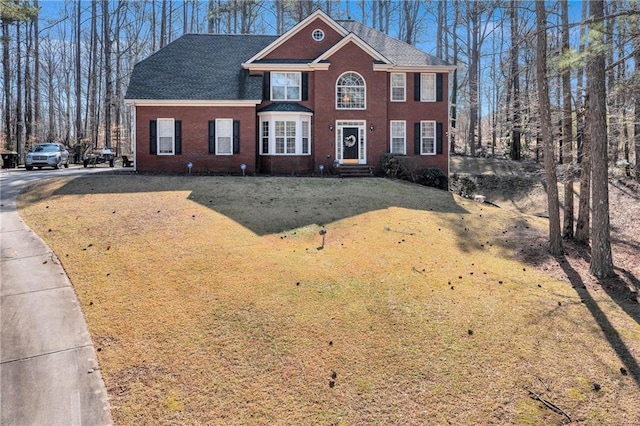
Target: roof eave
[[193, 102]]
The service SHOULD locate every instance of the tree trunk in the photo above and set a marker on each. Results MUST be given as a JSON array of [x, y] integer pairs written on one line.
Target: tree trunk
[[567, 129], [6, 78], [93, 79], [473, 75], [454, 84], [108, 98], [19, 87], [636, 103], [515, 79], [601, 264], [555, 239], [36, 76], [78, 76], [582, 234]]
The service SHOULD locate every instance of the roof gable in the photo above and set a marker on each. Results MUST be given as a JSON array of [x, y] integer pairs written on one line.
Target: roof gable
[[352, 38], [284, 38]]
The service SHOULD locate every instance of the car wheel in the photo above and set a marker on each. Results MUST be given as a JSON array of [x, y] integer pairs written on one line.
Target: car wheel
[[56, 167], [28, 167]]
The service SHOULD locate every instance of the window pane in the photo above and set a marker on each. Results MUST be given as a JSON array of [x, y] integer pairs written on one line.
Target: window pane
[[166, 145], [427, 87], [398, 87], [305, 137], [285, 86], [397, 137], [428, 139], [165, 128], [265, 137], [224, 133], [350, 92]]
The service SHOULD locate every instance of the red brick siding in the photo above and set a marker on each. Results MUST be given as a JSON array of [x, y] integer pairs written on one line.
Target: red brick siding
[[302, 45], [413, 112], [195, 140]]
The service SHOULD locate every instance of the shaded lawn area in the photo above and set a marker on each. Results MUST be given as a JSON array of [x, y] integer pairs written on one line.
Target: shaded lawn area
[[213, 300]]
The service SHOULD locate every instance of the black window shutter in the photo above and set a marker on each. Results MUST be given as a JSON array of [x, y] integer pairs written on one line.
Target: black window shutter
[[236, 137], [212, 136], [416, 86], [266, 86], [153, 137], [439, 87], [178, 136], [438, 138], [305, 86], [416, 138]]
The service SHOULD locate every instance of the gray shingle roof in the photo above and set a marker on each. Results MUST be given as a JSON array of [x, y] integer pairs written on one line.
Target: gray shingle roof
[[285, 107], [200, 67], [401, 53]]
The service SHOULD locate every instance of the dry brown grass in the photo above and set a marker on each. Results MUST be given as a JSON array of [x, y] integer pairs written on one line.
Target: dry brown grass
[[211, 300]]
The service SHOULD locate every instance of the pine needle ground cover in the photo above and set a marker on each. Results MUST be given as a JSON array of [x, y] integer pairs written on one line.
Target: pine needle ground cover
[[222, 300]]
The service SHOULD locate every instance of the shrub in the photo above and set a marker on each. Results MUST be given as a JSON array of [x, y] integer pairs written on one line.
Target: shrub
[[434, 178], [467, 187], [407, 168], [391, 164]]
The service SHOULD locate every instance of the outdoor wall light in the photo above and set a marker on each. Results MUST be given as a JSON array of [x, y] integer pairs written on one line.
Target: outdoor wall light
[[371, 128], [243, 167], [331, 127], [189, 166]]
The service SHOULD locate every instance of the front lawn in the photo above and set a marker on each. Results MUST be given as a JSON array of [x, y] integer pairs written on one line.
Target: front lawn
[[216, 300]]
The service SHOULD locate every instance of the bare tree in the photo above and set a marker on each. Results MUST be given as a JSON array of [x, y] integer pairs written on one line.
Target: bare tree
[[108, 98], [601, 264], [514, 74], [582, 234], [636, 105], [567, 128], [555, 239], [409, 21]]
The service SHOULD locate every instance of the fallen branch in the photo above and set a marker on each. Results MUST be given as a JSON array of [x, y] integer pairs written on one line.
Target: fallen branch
[[549, 405]]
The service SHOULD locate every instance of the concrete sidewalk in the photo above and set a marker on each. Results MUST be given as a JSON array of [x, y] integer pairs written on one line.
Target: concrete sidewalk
[[48, 369]]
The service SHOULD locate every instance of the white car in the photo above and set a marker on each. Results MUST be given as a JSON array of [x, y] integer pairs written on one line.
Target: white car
[[47, 155]]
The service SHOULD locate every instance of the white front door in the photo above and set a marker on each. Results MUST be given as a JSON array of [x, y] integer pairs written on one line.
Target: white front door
[[351, 143]]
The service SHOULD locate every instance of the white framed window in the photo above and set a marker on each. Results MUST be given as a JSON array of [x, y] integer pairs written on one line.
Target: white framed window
[[317, 34], [286, 86], [224, 136], [351, 91], [398, 137], [398, 87], [427, 87], [427, 138], [166, 136], [285, 134], [265, 138], [306, 137]]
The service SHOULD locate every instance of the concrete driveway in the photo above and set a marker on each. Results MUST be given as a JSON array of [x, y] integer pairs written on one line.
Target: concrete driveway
[[48, 369]]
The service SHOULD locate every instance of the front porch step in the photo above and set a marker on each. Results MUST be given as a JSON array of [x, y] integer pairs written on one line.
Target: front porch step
[[355, 170]]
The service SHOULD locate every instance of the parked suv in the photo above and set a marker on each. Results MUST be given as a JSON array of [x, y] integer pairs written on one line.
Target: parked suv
[[47, 155]]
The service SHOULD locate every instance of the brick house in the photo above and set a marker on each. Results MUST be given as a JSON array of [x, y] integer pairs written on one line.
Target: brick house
[[325, 93]]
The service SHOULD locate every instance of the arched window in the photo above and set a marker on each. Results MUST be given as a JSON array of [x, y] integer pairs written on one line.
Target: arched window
[[351, 91]]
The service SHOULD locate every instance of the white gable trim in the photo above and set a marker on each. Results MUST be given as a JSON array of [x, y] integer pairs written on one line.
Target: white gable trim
[[286, 67], [191, 102], [417, 68], [293, 31], [359, 42]]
